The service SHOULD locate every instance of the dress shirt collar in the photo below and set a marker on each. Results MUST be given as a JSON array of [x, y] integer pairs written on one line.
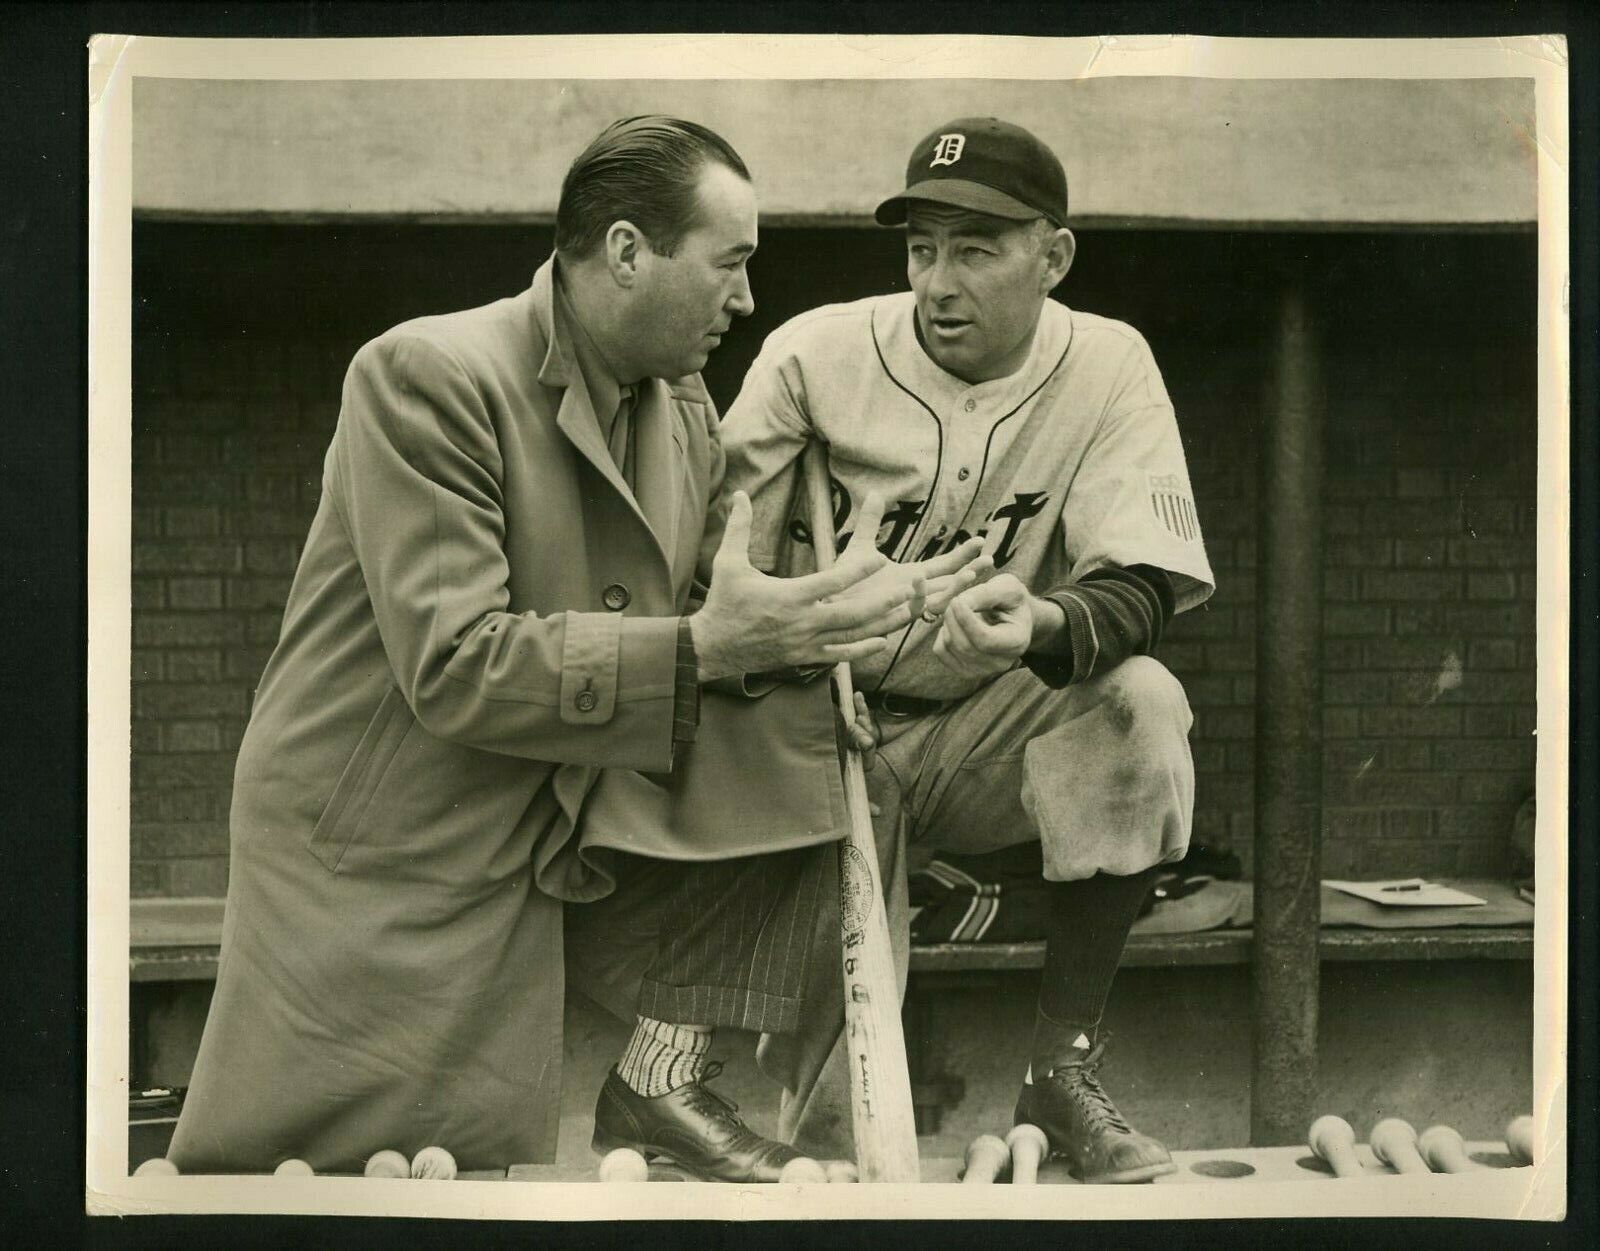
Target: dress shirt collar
[[605, 392]]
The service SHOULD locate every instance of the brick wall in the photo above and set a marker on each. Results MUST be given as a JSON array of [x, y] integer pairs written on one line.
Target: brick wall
[[242, 335], [227, 443], [1429, 578]]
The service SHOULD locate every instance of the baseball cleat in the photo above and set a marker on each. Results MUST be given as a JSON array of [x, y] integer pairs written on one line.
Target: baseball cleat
[[1084, 1126]]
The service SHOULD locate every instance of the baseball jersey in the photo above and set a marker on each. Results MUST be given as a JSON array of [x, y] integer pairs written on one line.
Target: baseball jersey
[[1070, 464]]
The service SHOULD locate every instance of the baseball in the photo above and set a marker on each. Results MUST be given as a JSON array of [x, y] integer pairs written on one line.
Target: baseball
[[158, 1167], [802, 1169], [624, 1165], [435, 1163], [294, 1168], [388, 1164]]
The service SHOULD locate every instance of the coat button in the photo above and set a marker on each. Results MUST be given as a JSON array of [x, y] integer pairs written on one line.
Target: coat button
[[585, 700], [616, 597], [972, 405], [964, 475]]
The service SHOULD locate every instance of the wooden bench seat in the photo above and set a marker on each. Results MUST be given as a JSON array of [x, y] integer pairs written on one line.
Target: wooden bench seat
[[176, 940], [1488, 942]]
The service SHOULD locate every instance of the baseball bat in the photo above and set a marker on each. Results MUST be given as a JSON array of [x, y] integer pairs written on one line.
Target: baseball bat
[[1334, 1143], [987, 1160], [1519, 1139], [1394, 1142], [1028, 1146], [880, 1082], [1442, 1148]]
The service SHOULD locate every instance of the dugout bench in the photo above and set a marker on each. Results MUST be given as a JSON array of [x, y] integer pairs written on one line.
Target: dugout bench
[[939, 970], [175, 941]]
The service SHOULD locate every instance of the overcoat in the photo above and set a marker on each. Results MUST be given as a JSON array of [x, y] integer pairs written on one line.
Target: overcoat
[[469, 706]]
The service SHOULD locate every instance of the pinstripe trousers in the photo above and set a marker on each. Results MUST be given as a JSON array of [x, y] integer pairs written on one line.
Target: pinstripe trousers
[[714, 942]]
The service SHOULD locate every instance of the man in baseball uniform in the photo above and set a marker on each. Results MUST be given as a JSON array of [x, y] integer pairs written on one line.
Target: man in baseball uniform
[[1031, 707]]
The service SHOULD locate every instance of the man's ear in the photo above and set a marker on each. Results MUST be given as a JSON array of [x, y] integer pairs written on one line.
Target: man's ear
[[1058, 257], [624, 246]]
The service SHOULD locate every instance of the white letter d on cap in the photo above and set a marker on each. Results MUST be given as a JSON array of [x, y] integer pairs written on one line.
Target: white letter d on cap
[[948, 150]]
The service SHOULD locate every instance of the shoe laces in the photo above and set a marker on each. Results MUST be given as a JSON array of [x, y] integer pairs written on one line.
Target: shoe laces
[[711, 1070], [1081, 1079]]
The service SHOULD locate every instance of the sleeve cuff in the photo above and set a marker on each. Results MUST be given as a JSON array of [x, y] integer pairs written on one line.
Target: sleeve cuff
[[685, 688], [1056, 661]]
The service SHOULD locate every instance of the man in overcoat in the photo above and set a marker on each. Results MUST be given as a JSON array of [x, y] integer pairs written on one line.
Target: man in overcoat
[[492, 703]]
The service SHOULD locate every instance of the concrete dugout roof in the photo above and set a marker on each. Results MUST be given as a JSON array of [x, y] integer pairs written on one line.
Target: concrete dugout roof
[[1139, 151]]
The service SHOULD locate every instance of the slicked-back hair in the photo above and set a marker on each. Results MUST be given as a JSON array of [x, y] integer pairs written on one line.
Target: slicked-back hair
[[642, 169]]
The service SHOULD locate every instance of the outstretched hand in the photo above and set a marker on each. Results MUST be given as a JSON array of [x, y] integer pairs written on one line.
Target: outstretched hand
[[753, 622], [942, 577]]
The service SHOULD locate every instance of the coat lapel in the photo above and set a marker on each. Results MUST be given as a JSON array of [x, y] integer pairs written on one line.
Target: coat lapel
[[576, 419]]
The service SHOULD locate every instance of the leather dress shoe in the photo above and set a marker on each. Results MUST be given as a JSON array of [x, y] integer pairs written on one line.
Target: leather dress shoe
[[692, 1126], [1084, 1125]]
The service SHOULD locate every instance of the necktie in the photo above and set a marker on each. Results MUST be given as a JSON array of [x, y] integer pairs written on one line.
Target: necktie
[[620, 443]]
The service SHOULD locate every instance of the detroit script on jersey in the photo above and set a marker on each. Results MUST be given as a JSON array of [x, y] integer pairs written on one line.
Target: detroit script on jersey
[[900, 525], [1070, 464]]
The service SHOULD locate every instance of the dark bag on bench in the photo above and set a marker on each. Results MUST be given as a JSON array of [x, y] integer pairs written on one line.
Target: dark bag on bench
[[1002, 897]]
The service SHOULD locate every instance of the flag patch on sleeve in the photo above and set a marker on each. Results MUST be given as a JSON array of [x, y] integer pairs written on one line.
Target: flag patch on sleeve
[[1173, 506]]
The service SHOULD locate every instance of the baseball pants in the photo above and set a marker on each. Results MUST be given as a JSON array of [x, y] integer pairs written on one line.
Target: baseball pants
[[1100, 773], [720, 942]]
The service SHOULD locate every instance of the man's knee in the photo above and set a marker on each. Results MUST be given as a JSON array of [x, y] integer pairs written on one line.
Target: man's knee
[[1112, 789], [1141, 690]]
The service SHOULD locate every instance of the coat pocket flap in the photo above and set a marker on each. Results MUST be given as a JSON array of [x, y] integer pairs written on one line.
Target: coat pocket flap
[[352, 793]]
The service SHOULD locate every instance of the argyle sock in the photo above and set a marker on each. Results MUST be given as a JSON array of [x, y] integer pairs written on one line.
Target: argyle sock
[[662, 1056], [1089, 923]]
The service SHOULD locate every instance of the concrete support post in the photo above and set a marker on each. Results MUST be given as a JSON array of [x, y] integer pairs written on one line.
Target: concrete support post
[[1288, 772]]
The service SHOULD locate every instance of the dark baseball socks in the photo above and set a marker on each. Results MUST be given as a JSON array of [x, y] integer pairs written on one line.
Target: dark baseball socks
[[1088, 929], [662, 1056]]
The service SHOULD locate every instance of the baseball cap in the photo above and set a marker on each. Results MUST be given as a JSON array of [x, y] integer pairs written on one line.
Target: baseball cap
[[986, 165]]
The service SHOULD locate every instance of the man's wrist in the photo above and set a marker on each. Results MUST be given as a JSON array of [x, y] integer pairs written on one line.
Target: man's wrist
[[698, 642], [708, 661], [1049, 622]]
